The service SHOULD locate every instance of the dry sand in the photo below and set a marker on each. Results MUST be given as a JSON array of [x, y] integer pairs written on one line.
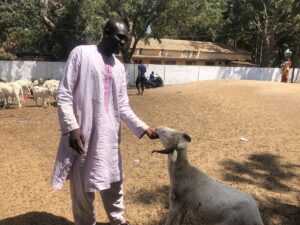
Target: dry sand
[[217, 114]]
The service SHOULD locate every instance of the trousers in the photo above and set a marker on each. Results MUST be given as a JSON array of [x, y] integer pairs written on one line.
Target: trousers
[[83, 202], [140, 83]]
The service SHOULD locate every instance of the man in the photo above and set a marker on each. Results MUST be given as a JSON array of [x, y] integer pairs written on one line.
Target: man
[[92, 101], [152, 77], [140, 80]]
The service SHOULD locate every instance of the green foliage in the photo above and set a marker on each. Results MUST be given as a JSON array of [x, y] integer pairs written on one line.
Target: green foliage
[[77, 24], [141, 15], [263, 27], [21, 27], [51, 28], [24, 32], [193, 20]]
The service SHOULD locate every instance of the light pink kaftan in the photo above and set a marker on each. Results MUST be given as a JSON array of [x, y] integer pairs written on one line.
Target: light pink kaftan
[[93, 96]]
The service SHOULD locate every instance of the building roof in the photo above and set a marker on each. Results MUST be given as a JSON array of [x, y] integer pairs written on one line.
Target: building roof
[[243, 63], [186, 45]]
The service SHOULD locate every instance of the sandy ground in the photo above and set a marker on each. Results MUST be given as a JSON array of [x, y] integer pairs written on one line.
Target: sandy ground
[[217, 114]]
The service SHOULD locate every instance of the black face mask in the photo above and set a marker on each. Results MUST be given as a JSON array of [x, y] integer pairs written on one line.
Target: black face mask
[[120, 38]]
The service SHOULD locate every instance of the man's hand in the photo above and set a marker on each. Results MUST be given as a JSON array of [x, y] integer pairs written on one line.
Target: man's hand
[[151, 133], [76, 141]]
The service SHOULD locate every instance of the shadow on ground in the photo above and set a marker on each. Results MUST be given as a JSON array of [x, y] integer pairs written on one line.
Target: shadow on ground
[[263, 170], [148, 197], [38, 218], [144, 196], [266, 171], [276, 212]]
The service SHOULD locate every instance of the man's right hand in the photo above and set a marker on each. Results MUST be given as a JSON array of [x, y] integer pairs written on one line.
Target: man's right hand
[[76, 141]]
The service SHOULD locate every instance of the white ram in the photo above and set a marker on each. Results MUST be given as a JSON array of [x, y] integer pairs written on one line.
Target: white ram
[[194, 193]]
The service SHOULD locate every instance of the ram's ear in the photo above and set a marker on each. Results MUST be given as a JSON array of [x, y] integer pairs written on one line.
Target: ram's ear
[[187, 137]]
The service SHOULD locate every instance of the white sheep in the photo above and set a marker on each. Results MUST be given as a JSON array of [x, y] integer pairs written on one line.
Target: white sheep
[[25, 84], [41, 93], [197, 195], [11, 91], [2, 97], [52, 85]]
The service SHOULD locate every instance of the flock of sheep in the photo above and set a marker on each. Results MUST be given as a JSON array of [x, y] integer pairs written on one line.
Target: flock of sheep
[[13, 93]]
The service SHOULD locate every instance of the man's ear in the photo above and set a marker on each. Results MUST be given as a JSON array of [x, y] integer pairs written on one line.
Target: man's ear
[[187, 137]]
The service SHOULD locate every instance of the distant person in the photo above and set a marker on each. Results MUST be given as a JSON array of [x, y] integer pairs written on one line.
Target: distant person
[[152, 77], [92, 101], [151, 81], [285, 69], [141, 79]]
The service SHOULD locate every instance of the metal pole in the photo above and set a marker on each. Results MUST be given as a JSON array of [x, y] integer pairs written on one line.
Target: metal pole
[[293, 67], [293, 72]]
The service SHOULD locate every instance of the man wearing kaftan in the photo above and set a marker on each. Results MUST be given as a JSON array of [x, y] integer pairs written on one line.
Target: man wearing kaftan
[[92, 96]]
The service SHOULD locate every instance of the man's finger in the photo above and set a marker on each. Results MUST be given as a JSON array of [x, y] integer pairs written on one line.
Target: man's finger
[[82, 139], [73, 145], [80, 147], [152, 134]]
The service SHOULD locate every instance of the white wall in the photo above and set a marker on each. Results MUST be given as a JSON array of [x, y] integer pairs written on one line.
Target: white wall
[[171, 74], [15, 70]]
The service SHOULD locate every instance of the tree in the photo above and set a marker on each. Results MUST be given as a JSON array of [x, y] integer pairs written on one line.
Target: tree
[[21, 29], [261, 26], [48, 28], [141, 15], [71, 23], [198, 20]]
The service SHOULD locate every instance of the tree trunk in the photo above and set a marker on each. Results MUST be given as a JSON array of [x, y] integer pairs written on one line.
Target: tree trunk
[[261, 52], [126, 55], [256, 54], [266, 37], [266, 51], [44, 14]]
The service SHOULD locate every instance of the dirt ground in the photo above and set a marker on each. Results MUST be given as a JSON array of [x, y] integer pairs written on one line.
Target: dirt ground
[[244, 133]]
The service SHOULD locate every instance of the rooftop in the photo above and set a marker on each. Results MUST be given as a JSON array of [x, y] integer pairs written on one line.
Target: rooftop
[[186, 45]]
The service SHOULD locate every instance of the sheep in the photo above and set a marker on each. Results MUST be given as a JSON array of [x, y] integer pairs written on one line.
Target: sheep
[[43, 93], [52, 85], [26, 85], [35, 83], [2, 98], [11, 90], [194, 193]]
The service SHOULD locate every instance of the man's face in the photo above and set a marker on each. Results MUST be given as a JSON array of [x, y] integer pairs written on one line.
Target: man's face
[[118, 38]]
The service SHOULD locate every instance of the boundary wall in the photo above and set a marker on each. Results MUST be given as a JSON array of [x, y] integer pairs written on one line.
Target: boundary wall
[[171, 74]]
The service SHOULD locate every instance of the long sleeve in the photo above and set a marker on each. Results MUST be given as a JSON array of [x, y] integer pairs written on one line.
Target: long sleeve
[[66, 88], [136, 125]]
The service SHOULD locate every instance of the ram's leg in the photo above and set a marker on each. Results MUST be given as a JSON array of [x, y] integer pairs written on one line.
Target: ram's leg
[[35, 99], [175, 216], [18, 101], [6, 102]]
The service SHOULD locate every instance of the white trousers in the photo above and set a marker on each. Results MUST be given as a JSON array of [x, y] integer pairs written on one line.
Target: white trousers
[[82, 202]]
